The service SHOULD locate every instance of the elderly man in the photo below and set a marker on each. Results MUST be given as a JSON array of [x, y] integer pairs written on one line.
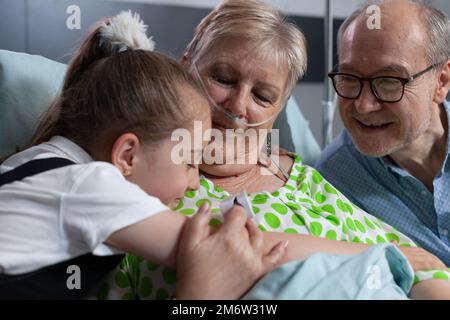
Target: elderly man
[[393, 158]]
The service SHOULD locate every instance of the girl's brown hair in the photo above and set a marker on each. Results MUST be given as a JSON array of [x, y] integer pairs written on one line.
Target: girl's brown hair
[[108, 93]]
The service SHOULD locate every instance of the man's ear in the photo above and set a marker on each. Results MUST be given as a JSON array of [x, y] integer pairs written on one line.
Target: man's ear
[[443, 84], [124, 153]]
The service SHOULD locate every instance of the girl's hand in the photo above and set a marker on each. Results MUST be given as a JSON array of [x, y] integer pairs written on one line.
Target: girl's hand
[[222, 263]]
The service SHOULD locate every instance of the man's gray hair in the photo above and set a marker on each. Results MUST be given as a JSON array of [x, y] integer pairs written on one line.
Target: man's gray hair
[[435, 21]]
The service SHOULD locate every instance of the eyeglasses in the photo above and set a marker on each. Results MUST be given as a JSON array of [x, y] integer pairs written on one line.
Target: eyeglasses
[[385, 89]]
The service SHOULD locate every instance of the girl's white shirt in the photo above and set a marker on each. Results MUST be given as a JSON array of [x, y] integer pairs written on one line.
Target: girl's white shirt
[[67, 212]]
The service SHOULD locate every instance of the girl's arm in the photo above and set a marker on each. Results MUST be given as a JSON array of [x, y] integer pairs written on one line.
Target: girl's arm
[[156, 239]]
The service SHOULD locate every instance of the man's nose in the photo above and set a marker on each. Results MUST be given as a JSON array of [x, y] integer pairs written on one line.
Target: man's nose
[[367, 102]]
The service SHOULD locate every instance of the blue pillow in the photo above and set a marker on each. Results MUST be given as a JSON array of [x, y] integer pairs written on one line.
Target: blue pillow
[[28, 85]]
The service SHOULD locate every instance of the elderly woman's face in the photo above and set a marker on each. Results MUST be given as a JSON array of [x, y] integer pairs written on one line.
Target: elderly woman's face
[[249, 87]]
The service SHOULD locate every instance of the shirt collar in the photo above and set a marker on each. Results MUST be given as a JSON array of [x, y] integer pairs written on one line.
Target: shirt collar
[[447, 109], [70, 149]]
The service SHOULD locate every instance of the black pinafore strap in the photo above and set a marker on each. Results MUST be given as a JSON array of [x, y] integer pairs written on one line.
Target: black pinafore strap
[[52, 282]]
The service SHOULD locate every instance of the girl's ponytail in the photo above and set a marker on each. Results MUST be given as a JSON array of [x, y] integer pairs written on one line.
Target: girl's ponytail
[[122, 32], [116, 84], [113, 35]]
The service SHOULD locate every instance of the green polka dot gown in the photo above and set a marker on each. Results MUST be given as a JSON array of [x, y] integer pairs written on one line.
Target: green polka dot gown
[[306, 204]]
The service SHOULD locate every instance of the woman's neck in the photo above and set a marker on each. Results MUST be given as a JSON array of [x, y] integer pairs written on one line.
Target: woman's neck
[[251, 178], [243, 180]]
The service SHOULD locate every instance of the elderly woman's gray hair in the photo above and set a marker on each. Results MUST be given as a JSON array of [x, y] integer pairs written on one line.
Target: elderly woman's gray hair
[[436, 23], [256, 22]]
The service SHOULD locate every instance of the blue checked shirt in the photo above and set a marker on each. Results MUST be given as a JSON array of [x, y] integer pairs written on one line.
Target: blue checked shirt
[[392, 194]]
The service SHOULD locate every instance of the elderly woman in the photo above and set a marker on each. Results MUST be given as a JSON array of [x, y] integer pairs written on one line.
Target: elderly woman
[[249, 60]]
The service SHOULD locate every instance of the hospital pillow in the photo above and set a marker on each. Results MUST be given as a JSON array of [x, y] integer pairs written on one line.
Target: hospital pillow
[[302, 138], [29, 83]]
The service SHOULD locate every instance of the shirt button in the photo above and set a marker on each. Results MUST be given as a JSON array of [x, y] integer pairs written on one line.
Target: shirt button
[[445, 232], [424, 192]]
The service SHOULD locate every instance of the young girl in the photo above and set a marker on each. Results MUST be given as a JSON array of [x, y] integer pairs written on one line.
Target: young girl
[[99, 176]]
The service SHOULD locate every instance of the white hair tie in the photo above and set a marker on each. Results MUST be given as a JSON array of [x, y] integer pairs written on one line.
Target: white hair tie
[[126, 31]]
